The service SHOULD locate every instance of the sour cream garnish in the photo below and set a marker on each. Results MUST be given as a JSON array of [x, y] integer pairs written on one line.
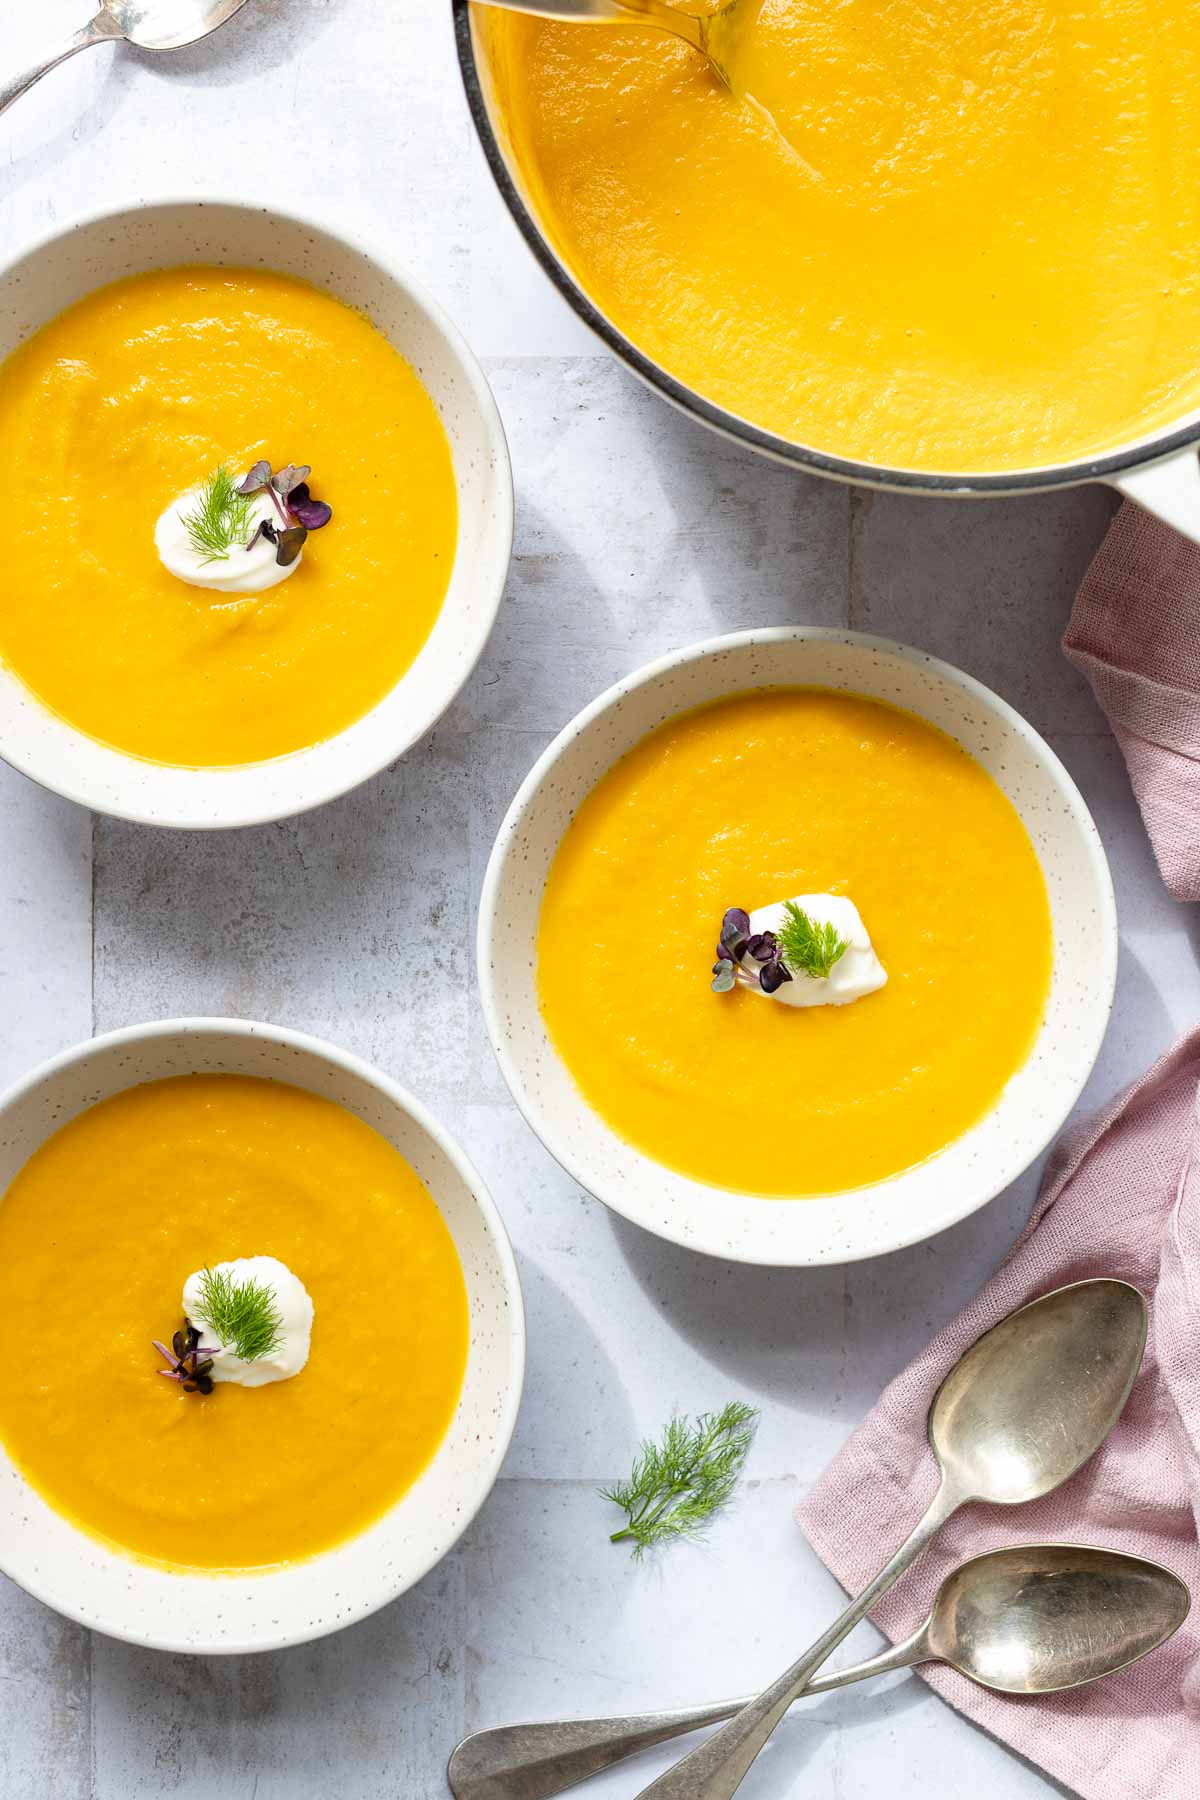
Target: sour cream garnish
[[293, 1304], [858, 971], [241, 572]]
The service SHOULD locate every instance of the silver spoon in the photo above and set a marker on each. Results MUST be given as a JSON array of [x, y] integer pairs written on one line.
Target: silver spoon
[[150, 24], [1030, 1619], [1018, 1414], [707, 33]]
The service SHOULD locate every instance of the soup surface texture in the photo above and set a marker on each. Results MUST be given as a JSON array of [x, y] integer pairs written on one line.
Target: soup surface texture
[[98, 1233], [133, 397], [749, 801], [959, 237]]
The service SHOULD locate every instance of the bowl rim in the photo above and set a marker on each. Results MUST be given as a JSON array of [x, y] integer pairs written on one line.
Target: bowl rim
[[316, 222], [487, 1473], [1106, 467], [646, 675]]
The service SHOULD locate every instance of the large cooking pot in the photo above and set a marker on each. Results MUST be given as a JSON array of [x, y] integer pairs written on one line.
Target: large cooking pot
[[1160, 472]]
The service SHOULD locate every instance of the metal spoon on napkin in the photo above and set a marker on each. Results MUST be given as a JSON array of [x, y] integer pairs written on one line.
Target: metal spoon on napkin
[[1017, 1415], [150, 24], [1029, 1619]]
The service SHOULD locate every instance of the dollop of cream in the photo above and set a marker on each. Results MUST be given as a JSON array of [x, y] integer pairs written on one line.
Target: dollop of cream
[[242, 571], [296, 1310], [856, 973]]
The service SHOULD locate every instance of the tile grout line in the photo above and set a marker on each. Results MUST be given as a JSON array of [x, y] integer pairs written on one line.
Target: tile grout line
[[92, 1788]]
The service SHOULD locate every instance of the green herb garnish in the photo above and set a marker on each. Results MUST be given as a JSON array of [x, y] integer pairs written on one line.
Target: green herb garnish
[[809, 948], [243, 1314], [220, 520], [678, 1483]]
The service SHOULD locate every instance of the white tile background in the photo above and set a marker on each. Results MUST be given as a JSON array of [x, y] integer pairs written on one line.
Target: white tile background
[[637, 531]]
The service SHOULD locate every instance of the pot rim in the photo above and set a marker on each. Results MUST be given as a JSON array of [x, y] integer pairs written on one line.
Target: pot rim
[[1107, 468]]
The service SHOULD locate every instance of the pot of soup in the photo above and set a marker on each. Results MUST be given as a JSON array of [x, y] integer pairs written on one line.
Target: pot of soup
[[954, 250]]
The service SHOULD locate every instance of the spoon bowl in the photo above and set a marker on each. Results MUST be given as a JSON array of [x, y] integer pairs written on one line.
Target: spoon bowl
[[168, 24], [1037, 1618], [150, 24], [1001, 1426]]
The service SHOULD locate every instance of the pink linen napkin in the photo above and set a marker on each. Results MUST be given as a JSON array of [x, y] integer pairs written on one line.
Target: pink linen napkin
[[1121, 1197], [1134, 631]]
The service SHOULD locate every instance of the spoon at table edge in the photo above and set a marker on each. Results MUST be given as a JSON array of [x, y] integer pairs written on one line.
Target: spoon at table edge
[[1027, 1619], [149, 24], [1016, 1416], [702, 31]]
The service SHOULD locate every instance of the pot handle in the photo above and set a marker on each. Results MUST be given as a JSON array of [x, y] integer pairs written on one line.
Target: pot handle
[[1168, 488]]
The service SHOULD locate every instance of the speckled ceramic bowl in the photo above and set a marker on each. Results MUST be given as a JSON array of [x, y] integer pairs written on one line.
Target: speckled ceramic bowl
[[38, 282], [921, 1201], [213, 1613]]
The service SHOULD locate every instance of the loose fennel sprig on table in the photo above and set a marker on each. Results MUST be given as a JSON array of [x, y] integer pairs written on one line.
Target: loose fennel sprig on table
[[220, 518], [808, 948], [244, 1315], [678, 1483]]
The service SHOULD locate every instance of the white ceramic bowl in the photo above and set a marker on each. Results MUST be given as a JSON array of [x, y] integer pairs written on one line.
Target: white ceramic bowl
[[80, 1576], [38, 282], [921, 1201]]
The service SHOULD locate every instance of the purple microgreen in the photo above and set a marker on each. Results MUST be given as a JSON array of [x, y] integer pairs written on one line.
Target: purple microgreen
[[265, 530], [735, 929], [293, 475], [723, 976], [290, 543], [739, 943], [255, 480], [289, 493], [311, 513], [735, 924], [190, 1366], [763, 946]]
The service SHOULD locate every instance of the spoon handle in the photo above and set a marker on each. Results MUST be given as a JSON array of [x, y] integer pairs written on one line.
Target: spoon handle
[[535, 1762], [716, 1768], [626, 12], [102, 29], [573, 11]]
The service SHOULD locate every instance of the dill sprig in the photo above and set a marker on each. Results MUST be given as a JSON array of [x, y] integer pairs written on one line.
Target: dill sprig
[[243, 1314], [221, 518], [678, 1483], [808, 948]]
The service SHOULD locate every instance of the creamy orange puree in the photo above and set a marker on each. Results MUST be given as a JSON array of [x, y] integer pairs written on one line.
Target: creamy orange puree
[[972, 243], [752, 800], [97, 1235], [133, 397]]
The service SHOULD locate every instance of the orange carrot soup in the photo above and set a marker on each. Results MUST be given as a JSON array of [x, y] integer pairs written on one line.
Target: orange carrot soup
[[958, 237], [864, 900], [331, 1319], [147, 600]]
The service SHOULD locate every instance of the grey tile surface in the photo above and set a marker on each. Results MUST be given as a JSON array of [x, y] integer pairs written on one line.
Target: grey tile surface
[[636, 532], [364, 1715], [350, 921]]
